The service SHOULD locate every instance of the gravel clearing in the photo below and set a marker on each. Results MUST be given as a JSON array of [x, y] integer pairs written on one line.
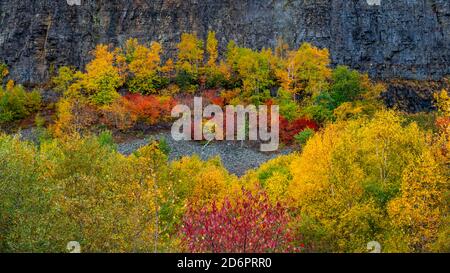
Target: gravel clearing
[[236, 159]]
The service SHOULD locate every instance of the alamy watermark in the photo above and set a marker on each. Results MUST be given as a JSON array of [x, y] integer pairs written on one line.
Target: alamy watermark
[[250, 122], [74, 2]]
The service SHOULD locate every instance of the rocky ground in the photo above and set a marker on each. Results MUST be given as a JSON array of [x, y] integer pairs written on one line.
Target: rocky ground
[[237, 157]]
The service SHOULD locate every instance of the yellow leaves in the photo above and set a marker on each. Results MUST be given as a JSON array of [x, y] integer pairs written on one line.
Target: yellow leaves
[[168, 68], [313, 169], [66, 77], [10, 85], [74, 116], [105, 198], [373, 89], [3, 71], [204, 181], [63, 124], [347, 110], [442, 101], [388, 146], [347, 174], [356, 181], [101, 79], [253, 68], [420, 210], [143, 65], [190, 53], [145, 61], [102, 65], [306, 70], [274, 177], [211, 48]]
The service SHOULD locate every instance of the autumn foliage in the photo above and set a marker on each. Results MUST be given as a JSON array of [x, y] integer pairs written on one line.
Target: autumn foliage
[[289, 129], [248, 224], [152, 109], [362, 172]]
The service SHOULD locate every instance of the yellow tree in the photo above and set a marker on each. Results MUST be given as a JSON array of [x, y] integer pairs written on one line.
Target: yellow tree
[[281, 49], [74, 116], [144, 65], [419, 212], [442, 101], [3, 72], [202, 182], [168, 69], [347, 174], [253, 69], [102, 78], [65, 78], [190, 54], [212, 49], [306, 71]]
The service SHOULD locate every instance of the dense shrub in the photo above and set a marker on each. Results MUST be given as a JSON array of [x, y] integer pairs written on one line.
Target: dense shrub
[[64, 79], [151, 109], [248, 224], [346, 85], [16, 103], [78, 190], [303, 137], [289, 129], [355, 181], [74, 117]]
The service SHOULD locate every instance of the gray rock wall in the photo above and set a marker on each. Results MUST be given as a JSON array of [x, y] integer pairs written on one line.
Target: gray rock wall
[[407, 39]]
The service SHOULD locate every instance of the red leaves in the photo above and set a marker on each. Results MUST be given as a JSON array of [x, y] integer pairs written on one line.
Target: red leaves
[[152, 109], [212, 97], [442, 123], [249, 224], [288, 129]]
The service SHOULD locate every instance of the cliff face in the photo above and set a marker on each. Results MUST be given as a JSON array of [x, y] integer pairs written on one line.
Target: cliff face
[[392, 39]]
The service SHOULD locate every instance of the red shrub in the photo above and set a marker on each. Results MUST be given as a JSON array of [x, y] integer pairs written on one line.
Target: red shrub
[[152, 109], [248, 224], [442, 123], [288, 129], [211, 97]]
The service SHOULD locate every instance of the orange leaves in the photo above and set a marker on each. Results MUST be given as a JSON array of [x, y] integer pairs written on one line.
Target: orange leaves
[[152, 109], [118, 115]]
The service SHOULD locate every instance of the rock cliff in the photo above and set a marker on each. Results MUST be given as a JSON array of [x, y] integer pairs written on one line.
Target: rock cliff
[[407, 39]]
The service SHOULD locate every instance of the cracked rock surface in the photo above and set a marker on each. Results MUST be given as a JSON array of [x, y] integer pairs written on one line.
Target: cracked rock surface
[[407, 39]]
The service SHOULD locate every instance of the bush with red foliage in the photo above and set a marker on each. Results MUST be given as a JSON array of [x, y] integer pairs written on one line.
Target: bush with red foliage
[[212, 97], [248, 224], [152, 109], [442, 123], [289, 129]]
